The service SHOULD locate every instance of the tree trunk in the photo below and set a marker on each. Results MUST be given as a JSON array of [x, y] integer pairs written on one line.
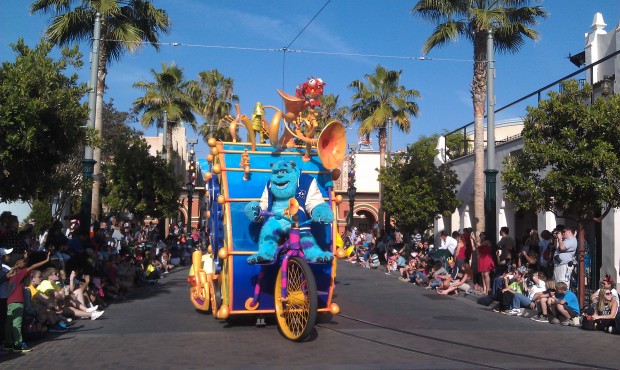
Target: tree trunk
[[581, 255], [382, 144], [168, 145], [479, 90], [101, 75]]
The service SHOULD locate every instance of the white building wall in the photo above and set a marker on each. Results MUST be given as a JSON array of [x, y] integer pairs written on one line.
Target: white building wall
[[598, 44], [366, 174]]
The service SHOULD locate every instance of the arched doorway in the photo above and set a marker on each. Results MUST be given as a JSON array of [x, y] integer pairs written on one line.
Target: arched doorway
[[364, 219]]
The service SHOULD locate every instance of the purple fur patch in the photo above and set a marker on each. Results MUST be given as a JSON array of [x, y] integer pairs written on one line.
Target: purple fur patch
[[306, 244]]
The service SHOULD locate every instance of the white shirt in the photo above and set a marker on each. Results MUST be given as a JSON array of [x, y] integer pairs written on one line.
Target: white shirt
[[537, 288], [449, 244]]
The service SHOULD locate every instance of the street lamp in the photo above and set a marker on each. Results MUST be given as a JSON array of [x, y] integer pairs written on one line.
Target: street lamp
[[191, 182], [352, 190]]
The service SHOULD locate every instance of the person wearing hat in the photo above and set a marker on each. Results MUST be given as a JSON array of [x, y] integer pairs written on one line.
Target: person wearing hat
[[606, 284]]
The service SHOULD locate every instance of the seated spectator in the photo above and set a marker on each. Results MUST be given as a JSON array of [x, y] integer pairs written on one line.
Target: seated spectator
[[604, 317], [462, 281], [68, 305], [607, 283], [79, 293], [165, 261], [442, 277], [565, 307], [395, 262], [513, 286], [154, 270], [44, 306], [533, 288], [543, 300], [407, 272]]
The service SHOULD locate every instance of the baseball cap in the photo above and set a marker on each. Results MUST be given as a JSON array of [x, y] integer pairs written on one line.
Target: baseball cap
[[4, 251]]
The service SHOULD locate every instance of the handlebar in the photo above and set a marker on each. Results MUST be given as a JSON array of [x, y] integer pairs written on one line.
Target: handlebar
[[262, 213]]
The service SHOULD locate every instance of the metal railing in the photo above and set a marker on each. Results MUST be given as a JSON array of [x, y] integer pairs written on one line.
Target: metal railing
[[465, 146]]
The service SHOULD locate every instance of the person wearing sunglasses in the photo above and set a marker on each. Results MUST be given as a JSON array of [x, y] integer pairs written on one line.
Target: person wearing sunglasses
[[607, 283], [605, 313]]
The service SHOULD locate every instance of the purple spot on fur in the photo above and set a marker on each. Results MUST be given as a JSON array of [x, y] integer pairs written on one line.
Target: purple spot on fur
[[306, 244]]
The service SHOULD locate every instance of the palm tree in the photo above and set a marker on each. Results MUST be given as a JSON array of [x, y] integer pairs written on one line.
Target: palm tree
[[329, 110], [214, 96], [381, 100], [510, 22], [168, 92], [125, 26]]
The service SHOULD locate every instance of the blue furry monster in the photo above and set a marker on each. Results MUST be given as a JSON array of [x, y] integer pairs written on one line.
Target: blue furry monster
[[287, 182]]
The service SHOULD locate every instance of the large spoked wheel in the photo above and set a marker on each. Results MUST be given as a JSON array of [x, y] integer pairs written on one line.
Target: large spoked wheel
[[296, 314]]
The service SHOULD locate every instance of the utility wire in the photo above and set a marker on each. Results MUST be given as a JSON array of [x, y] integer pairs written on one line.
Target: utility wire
[[285, 49], [306, 26], [300, 51]]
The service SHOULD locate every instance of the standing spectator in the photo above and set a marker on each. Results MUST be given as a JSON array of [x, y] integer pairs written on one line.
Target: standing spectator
[[506, 249], [565, 306], [563, 257], [12, 240], [543, 245], [469, 247], [5, 273], [15, 306], [485, 261], [461, 249], [416, 237]]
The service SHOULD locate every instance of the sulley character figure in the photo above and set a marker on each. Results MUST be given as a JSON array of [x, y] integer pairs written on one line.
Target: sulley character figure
[[286, 182]]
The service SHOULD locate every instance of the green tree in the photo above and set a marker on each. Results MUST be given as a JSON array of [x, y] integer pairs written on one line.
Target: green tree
[[126, 25], [379, 100], [570, 162], [330, 110], [40, 119], [214, 96], [41, 214], [168, 92], [510, 21], [140, 183], [416, 191]]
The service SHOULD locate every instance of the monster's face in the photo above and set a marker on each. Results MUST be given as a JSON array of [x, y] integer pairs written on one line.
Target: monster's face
[[284, 176]]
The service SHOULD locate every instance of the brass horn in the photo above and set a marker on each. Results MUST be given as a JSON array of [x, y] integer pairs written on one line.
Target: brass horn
[[332, 145]]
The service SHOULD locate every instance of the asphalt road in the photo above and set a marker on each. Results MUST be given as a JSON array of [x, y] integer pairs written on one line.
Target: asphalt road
[[384, 324]]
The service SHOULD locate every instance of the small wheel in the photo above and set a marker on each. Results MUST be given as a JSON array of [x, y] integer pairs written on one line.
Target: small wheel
[[296, 314], [215, 297]]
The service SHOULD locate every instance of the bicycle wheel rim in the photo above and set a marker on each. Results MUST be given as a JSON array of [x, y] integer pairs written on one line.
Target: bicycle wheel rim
[[297, 315]]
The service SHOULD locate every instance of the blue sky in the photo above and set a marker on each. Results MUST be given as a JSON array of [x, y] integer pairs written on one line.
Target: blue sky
[[384, 28]]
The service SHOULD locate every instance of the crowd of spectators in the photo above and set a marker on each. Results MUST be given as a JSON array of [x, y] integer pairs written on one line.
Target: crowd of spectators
[[61, 274], [533, 274]]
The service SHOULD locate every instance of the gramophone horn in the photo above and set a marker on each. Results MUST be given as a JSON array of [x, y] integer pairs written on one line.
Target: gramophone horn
[[332, 145], [292, 104]]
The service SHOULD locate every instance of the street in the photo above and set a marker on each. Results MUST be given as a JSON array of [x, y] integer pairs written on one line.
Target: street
[[384, 324]]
